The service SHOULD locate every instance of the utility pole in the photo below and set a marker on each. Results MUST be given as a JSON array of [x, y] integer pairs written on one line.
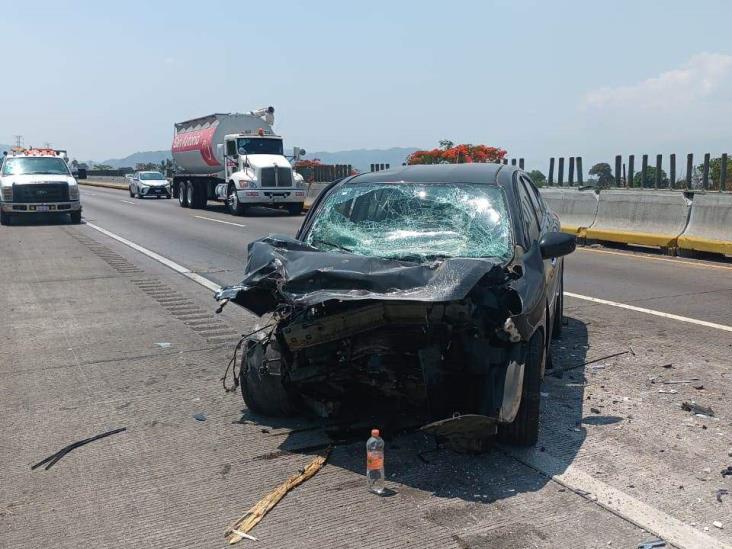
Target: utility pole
[[18, 141]]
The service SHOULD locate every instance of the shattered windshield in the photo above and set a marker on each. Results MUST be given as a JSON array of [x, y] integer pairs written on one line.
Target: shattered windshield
[[414, 221]]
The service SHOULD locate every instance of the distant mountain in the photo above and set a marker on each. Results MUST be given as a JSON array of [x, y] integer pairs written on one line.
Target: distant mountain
[[361, 159], [143, 157]]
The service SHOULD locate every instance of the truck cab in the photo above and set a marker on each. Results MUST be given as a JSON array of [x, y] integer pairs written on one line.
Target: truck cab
[[37, 182], [258, 174]]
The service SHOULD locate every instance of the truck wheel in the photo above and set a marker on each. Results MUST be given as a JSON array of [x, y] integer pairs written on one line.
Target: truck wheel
[[559, 310], [524, 430], [264, 393], [235, 207], [196, 197], [5, 218], [75, 217], [183, 194], [294, 209]]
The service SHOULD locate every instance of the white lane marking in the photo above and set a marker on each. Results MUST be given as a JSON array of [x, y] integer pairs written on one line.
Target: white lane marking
[[195, 277], [652, 312], [666, 527], [127, 202], [615, 501], [218, 220]]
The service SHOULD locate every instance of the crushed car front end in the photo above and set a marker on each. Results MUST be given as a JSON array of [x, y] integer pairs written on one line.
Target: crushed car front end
[[406, 293]]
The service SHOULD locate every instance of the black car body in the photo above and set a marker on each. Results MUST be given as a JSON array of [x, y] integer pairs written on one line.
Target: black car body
[[436, 285]]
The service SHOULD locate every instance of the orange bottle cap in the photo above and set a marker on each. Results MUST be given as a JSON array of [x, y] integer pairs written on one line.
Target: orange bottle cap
[[374, 432]]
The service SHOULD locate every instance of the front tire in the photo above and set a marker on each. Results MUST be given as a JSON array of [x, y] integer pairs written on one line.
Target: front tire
[[132, 195], [5, 218], [235, 207], [75, 217], [183, 194], [263, 392], [524, 429]]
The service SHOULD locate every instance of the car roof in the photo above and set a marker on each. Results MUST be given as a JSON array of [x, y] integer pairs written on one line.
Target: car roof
[[488, 174]]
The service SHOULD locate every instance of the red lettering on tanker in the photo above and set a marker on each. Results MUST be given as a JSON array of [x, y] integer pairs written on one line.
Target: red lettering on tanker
[[197, 140]]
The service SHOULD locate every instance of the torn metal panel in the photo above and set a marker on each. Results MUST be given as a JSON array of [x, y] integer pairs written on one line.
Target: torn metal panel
[[283, 271]]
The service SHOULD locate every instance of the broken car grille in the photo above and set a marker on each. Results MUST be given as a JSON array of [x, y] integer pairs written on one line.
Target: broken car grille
[[41, 193], [276, 177]]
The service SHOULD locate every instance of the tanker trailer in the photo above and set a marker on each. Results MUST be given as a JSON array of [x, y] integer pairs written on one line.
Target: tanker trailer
[[236, 159]]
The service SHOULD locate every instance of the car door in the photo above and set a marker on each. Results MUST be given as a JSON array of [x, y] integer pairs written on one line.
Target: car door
[[547, 223]]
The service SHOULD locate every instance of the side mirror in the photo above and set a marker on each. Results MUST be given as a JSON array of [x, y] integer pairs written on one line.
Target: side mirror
[[557, 245]]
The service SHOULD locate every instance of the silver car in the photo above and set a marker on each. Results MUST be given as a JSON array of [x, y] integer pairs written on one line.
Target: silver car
[[149, 183]]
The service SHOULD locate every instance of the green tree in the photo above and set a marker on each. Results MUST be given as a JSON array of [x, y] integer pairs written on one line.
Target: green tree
[[103, 167], [715, 172], [604, 174], [537, 177], [650, 178], [446, 144]]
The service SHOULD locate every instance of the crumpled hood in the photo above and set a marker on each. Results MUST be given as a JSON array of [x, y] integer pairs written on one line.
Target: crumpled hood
[[267, 161], [281, 270]]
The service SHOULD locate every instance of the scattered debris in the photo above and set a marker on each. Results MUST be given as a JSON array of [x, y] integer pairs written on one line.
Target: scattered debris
[[163, 344], [668, 391], [597, 367], [680, 381], [695, 408], [199, 416], [668, 366], [727, 472], [722, 492], [699, 387], [53, 459], [652, 544], [594, 410], [244, 524], [717, 524]]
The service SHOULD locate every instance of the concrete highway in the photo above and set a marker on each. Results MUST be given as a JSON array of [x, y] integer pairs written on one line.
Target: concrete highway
[[100, 334], [213, 243]]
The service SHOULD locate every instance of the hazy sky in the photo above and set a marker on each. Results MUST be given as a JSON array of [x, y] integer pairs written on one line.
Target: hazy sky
[[540, 79]]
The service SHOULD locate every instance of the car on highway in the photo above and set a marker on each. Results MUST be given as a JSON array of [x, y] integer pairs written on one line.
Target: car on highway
[[437, 286], [149, 183]]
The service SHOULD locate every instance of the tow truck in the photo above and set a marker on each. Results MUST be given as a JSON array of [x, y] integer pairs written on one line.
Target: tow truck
[[37, 182]]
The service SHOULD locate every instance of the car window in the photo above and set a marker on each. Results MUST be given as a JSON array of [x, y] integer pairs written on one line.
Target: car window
[[528, 212], [535, 196]]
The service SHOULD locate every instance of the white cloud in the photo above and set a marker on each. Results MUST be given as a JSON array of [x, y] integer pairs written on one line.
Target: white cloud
[[705, 76]]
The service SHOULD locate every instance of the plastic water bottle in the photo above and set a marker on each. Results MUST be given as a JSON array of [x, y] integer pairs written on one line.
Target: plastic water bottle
[[375, 462]]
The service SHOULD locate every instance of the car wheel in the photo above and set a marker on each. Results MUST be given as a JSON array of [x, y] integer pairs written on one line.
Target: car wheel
[[559, 310], [524, 430], [235, 207], [132, 195], [183, 195], [75, 217], [5, 218], [294, 209], [264, 393]]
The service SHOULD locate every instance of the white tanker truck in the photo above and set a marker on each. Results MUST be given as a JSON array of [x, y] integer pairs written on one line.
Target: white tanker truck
[[237, 159]]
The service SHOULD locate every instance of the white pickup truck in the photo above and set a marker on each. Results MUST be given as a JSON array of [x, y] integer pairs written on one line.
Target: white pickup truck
[[37, 182]]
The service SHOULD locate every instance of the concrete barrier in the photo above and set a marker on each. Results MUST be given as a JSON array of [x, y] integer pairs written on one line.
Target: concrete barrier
[[710, 224], [576, 209], [640, 217], [106, 184]]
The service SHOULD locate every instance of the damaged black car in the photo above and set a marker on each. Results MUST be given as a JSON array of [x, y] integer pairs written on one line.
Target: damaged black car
[[439, 287]]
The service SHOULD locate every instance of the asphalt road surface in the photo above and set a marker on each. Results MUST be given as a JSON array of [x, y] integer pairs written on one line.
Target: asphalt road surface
[[98, 335]]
